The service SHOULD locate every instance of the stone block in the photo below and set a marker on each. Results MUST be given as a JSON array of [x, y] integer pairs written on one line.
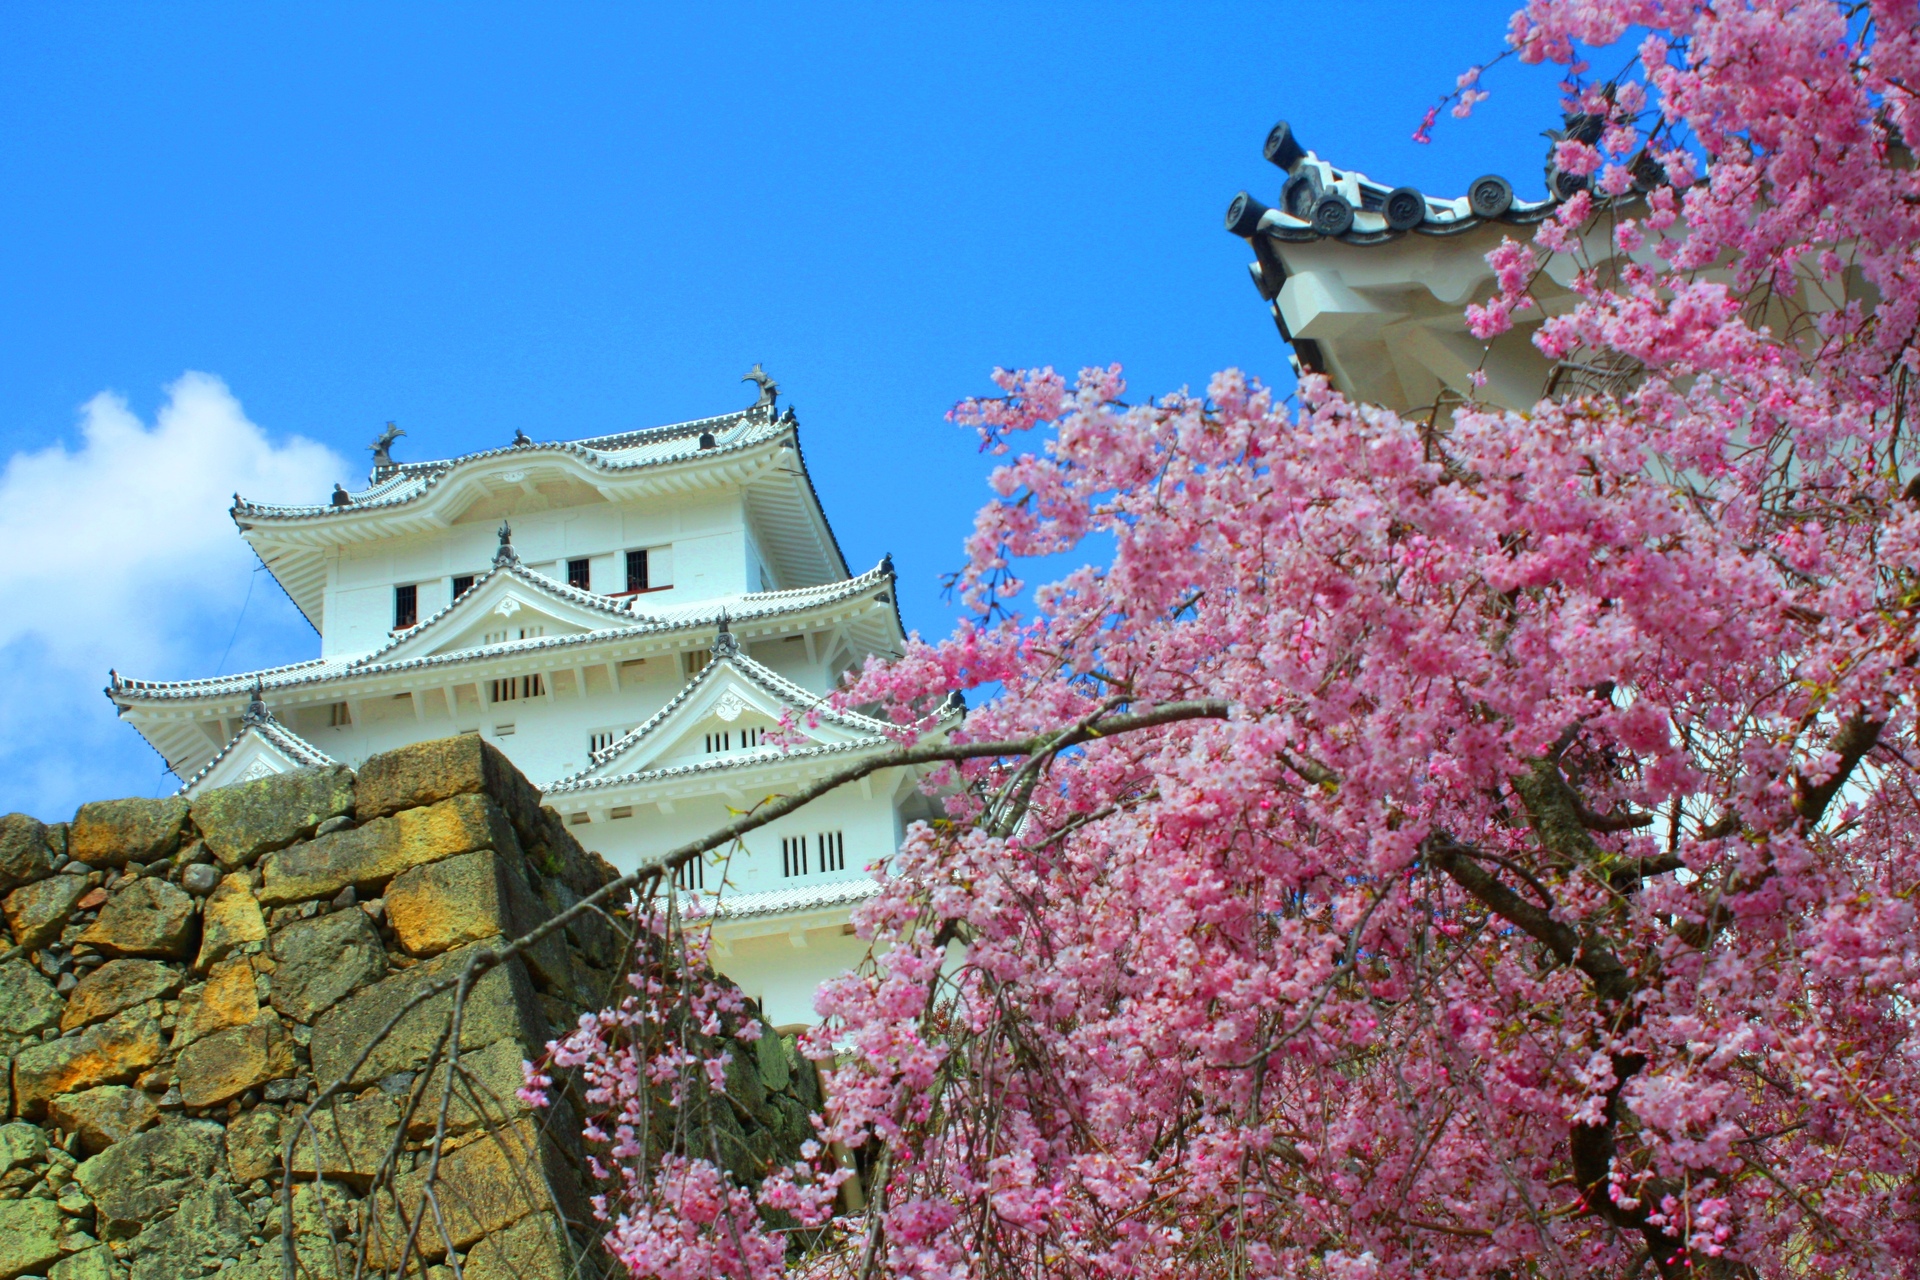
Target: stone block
[[771, 1053], [500, 1006], [455, 901], [110, 1052], [534, 1248], [241, 822], [489, 1081], [492, 1182], [253, 1145], [118, 985], [230, 920], [226, 999], [105, 1115], [319, 962], [210, 1226], [37, 912], [95, 1263], [426, 773], [228, 1063], [32, 1235], [368, 856], [348, 1139], [24, 852], [21, 1144], [112, 833], [135, 1181], [147, 918], [28, 1002]]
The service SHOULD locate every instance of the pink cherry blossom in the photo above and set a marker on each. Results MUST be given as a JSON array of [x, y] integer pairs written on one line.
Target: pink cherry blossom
[[1543, 904]]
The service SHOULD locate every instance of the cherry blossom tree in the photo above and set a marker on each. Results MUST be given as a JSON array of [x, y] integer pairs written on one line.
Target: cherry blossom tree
[[1475, 845]]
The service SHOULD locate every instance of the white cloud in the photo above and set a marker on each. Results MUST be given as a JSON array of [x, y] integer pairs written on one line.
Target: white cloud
[[120, 553]]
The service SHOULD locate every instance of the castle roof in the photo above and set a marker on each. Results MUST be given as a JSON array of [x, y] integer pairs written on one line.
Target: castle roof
[[1368, 283], [728, 686], [262, 746], [605, 619], [749, 448]]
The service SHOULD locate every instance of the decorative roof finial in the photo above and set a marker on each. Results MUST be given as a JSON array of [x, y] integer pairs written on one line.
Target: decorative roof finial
[[383, 447], [521, 439], [340, 496], [724, 644], [769, 389], [256, 712], [955, 705], [506, 555]]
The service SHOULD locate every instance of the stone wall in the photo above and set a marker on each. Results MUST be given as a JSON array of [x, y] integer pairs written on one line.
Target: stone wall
[[186, 977]]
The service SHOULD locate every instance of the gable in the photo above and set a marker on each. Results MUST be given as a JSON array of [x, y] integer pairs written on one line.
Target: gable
[[726, 715], [255, 752], [504, 605]]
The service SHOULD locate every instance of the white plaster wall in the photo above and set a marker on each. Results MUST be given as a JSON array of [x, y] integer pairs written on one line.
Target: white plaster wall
[[782, 971], [868, 824], [707, 537]]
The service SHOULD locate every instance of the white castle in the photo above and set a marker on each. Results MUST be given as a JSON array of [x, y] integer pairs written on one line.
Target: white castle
[[628, 618]]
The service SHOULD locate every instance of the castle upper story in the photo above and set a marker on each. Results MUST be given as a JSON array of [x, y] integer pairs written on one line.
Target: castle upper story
[[698, 511]]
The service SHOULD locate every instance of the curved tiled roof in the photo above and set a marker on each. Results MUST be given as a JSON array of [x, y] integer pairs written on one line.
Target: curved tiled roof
[[408, 482], [706, 613], [1320, 202], [290, 744], [874, 733], [773, 902]]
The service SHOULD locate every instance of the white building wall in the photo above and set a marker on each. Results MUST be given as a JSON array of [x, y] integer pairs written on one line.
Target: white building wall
[[705, 538]]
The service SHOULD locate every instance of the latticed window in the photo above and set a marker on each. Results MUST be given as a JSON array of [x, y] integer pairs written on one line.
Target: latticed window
[[514, 688], [833, 851], [406, 606], [793, 856], [717, 742], [602, 739], [636, 571], [691, 875], [462, 583], [580, 574]]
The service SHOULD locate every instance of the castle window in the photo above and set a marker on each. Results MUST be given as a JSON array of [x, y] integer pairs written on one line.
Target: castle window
[[793, 856], [514, 688], [406, 606], [833, 851], [749, 738], [691, 875], [650, 569], [602, 739], [579, 574], [697, 661], [339, 716], [462, 583], [718, 742]]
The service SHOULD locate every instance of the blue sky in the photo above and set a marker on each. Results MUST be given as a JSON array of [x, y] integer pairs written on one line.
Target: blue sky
[[577, 219]]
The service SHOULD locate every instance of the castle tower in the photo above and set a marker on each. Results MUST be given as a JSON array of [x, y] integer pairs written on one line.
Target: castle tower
[[628, 618]]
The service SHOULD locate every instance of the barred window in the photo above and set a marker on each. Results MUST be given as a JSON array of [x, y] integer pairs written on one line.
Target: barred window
[[691, 875], [580, 574], [462, 583], [406, 606], [636, 571], [833, 851], [515, 687], [793, 856], [718, 742]]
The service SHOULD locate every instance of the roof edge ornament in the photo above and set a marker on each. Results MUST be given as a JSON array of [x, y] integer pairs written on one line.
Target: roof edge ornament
[[769, 389], [724, 643], [256, 712], [506, 555], [383, 463]]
